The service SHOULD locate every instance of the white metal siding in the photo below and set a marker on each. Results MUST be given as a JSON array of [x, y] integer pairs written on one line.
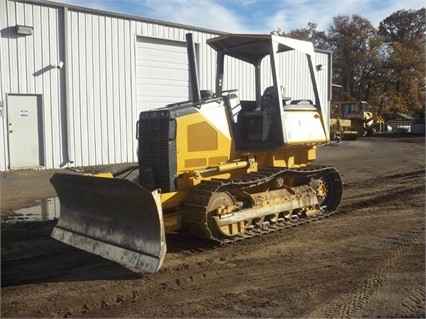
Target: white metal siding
[[239, 75], [104, 83], [100, 99], [94, 123], [25, 69], [3, 75]]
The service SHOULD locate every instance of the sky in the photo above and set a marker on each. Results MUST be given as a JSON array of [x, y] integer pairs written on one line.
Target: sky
[[252, 16]]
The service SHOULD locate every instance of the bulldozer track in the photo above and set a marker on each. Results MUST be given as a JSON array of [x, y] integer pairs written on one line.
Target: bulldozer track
[[199, 199]]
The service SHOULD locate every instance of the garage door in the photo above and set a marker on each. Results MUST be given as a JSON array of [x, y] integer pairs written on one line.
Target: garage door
[[162, 73]]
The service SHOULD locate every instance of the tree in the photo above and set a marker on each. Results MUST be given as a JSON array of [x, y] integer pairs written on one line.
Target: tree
[[356, 55], [403, 76], [384, 66], [309, 33], [404, 26]]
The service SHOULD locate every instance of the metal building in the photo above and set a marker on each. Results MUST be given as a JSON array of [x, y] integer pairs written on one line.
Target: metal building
[[73, 81]]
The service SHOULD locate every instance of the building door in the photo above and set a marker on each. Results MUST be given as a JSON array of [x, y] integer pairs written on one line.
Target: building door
[[24, 115], [162, 75]]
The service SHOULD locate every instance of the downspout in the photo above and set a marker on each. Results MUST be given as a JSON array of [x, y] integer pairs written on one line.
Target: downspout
[[70, 140]]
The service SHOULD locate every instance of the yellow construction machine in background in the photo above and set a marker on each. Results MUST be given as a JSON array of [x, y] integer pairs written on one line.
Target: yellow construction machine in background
[[352, 119]]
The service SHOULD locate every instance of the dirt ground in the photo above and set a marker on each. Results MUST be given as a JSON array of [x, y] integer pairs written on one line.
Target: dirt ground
[[366, 261]]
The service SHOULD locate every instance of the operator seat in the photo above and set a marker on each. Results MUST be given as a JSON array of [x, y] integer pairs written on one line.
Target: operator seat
[[259, 121], [269, 98]]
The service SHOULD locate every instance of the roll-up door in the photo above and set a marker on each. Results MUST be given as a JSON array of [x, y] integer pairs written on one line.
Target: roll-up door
[[161, 74]]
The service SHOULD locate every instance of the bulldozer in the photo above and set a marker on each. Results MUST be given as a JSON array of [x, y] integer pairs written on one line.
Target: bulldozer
[[216, 166], [352, 119]]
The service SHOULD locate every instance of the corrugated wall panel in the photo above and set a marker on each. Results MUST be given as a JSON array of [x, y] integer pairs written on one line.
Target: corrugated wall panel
[[4, 69], [26, 69], [102, 100], [101, 94], [100, 72], [94, 73], [102, 83], [52, 108]]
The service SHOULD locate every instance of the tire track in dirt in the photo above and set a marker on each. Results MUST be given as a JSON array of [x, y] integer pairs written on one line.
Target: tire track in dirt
[[182, 291], [384, 191], [414, 302], [189, 287], [355, 301], [206, 279], [382, 198], [407, 185], [378, 182], [340, 256]]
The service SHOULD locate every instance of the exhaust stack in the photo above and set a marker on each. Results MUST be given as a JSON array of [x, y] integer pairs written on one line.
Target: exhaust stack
[[193, 73]]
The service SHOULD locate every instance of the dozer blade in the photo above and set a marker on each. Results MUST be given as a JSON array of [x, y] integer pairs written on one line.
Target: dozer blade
[[113, 218]]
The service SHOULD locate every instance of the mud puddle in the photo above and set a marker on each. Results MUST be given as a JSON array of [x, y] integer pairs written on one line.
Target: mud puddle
[[43, 210]]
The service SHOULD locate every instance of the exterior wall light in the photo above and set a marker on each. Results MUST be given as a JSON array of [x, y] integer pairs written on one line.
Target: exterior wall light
[[60, 65], [24, 30]]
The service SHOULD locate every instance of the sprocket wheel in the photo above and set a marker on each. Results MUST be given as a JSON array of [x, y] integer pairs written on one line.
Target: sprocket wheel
[[329, 189]]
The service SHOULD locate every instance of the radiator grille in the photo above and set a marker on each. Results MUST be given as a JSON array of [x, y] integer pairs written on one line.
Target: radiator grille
[[157, 150]]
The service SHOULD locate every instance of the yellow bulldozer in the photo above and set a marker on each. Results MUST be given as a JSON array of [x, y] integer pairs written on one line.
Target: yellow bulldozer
[[221, 167], [352, 119]]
